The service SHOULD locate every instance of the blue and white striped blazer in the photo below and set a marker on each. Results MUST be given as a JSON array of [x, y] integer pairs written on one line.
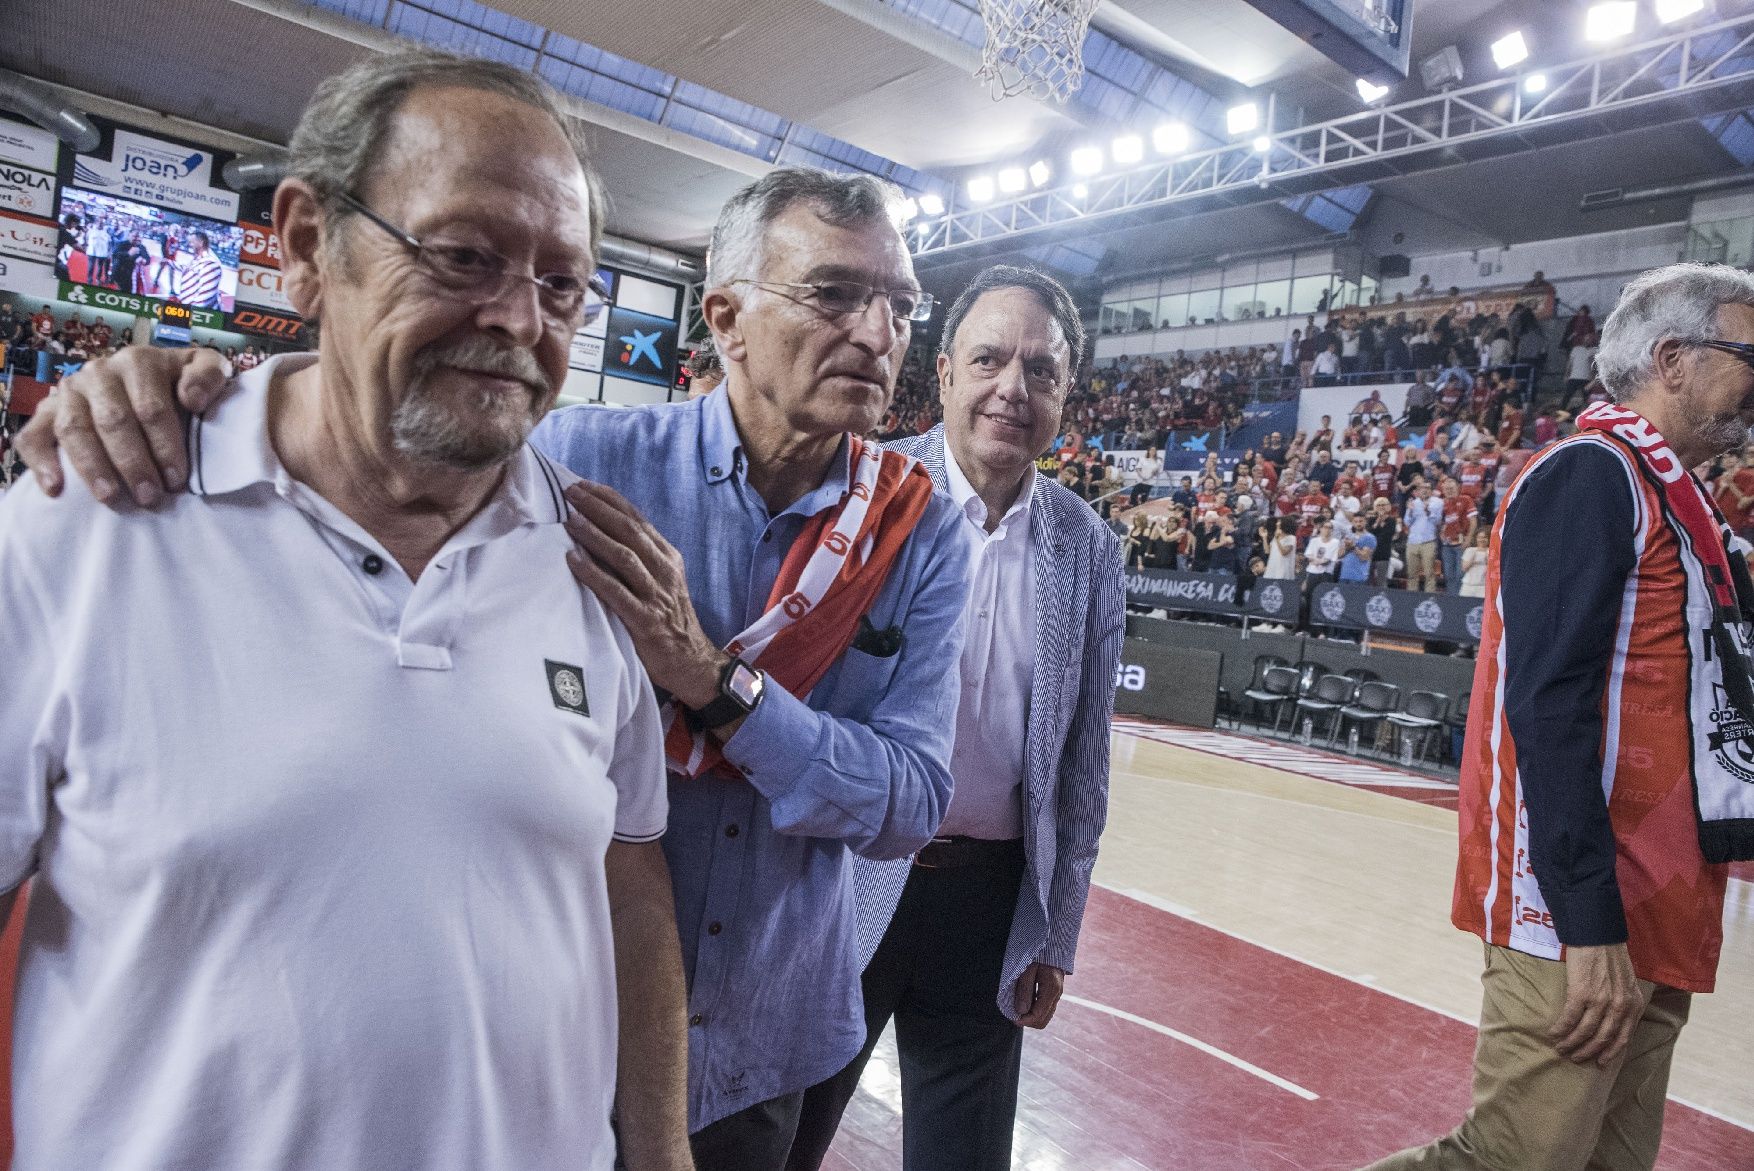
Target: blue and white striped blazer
[[1080, 620]]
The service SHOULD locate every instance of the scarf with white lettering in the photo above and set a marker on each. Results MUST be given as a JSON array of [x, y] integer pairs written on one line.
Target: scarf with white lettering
[[826, 583], [1722, 688]]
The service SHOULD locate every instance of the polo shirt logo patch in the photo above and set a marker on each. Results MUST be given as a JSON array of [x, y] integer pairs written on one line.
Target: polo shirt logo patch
[[566, 683]]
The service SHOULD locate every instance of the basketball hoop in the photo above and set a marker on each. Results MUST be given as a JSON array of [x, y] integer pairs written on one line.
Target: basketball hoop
[[1035, 47]]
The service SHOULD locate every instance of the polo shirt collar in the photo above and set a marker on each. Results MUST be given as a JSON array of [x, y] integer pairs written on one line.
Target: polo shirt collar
[[722, 456], [229, 451]]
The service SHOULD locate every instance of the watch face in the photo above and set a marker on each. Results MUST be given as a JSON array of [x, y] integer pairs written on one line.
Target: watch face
[[745, 684]]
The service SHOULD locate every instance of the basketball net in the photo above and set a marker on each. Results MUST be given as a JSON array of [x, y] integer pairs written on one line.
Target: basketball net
[[1035, 47]]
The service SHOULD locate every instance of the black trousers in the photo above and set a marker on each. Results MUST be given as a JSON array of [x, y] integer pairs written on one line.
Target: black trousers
[[756, 1138], [937, 974]]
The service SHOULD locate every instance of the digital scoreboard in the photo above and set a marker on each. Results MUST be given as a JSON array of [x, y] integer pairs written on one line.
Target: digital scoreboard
[[174, 323]]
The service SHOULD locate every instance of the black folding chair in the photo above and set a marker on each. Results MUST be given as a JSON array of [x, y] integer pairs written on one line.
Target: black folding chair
[[1424, 715], [1332, 692], [1376, 700], [1278, 685]]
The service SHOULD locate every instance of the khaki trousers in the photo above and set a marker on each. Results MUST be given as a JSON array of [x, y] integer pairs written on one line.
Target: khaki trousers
[[1422, 566], [1536, 1111]]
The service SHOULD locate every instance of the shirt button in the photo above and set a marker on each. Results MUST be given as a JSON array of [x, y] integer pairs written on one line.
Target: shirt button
[[714, 928], [731, 831], [694, 1020], [714, 472], [373, 564], [767, 536]]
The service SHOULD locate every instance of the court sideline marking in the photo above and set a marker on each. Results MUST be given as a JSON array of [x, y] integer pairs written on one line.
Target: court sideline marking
[[1202, 1046], [1285, 756]]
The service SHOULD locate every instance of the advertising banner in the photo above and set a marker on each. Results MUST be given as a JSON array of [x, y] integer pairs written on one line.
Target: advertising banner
[[261, 247], [29, 146], [26, 238], [587, 351], [24, 279], [1179, 684], [1273, 600], [1441, 617], [261, 286], [157, 171], [282, 327], [120, 302], [25, 190]]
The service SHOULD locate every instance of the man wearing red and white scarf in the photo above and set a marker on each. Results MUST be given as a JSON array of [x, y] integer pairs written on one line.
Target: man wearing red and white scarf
[[1606, 774]]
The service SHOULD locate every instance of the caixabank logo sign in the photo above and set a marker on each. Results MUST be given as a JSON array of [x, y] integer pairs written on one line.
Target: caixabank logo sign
[[641, 347]]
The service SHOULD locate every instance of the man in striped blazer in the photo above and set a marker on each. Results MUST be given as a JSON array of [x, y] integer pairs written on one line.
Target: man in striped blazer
[[971, 940]]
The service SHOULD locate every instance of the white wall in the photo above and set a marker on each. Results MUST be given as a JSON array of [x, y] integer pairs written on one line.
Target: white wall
[[1263, 331], [1589, 270]]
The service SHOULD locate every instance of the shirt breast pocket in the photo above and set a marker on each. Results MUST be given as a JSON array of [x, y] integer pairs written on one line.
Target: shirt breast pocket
[[861, 681]]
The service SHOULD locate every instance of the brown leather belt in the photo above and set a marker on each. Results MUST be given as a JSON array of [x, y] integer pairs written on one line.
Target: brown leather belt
[[950, 853]]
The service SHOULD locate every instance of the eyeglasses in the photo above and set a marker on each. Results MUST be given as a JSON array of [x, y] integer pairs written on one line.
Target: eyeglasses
[[1742, 350], [479, 276], [843, 297]]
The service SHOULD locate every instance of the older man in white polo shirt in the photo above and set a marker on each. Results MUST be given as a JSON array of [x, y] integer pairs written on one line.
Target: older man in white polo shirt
[[372, 906]]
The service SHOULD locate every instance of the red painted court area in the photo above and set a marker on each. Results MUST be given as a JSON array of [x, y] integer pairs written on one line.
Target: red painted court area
[[1103, 1092]]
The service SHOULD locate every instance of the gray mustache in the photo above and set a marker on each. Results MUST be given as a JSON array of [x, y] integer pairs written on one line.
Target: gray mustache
[[480, 354]]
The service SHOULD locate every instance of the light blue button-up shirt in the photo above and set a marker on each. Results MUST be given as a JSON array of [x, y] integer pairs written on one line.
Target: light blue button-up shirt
[[762, 867]]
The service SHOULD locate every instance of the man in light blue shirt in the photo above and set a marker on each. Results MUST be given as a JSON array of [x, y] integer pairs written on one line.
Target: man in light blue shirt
[[1355, 566], [1424, 521]]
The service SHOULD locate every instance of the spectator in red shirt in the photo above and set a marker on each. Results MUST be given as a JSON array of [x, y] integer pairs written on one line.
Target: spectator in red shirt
[[1382, 477], [1471, 475], [42, 324], [1734, 491], [1510, 426], [1460, 518]]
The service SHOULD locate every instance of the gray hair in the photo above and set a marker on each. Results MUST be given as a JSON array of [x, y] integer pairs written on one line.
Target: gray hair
[[1050, 292], [340, 137], [1680, 301], [843, 200]]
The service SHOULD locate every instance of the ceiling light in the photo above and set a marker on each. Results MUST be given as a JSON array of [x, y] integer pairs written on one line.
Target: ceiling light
[[1369, 91], [932, 204], [1040, 173], [1609, 22], [1127, 149], [1087, 160], [1243, 119], [1263, 144], [1170, 139], [910, 210], [1080, 191], [1669, 11], [1012, 180], [980, 188], [1510, 51], [1535, 83]]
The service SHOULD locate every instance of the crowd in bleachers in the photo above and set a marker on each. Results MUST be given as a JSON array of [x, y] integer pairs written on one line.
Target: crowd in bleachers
[[67, 341]]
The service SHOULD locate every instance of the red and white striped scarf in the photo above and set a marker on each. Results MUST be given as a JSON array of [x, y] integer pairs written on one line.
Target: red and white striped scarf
[[826, 583]]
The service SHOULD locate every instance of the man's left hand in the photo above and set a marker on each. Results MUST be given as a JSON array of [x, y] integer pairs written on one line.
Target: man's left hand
[[635, 572], [1038, 995]]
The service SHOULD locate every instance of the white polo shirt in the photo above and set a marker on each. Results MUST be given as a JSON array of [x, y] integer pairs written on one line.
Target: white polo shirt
[[318, 850]]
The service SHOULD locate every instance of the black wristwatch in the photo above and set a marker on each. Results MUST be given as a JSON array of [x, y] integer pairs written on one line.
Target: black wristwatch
[[740, 690]]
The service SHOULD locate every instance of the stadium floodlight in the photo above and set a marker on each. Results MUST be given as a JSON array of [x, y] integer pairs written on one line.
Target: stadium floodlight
[[1087, 160], [909, 210], [1127, 149], [1669, 11], [932, 204], [1040, 173], [1263, 144], [1079, 191], [1243, 119], [1012, 180], [1510, 51], [1369, 91], [980, 188], [1535, 83], [1610, 22], [1171, 138]]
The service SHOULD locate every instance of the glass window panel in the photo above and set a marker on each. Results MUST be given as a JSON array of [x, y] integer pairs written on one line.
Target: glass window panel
[[1274, 297], [1306, 292], [1203, 305], [1173, 309]]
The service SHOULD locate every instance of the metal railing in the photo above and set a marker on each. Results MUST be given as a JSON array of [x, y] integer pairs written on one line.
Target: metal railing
[[1681, 74]]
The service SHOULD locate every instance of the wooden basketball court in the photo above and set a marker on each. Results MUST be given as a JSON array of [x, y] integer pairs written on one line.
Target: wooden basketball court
[[1268, 981]]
